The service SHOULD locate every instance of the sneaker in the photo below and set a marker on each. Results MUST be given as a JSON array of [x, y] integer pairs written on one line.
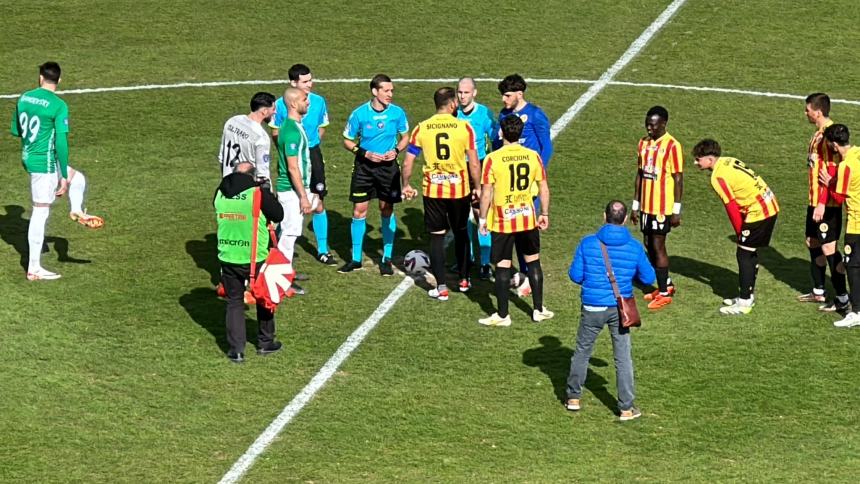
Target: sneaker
[[385, 268], [41, 274], [89, 221], [737, 308], [236, 357], [495, 320], [572, 404], [632, 413], [542, 315], [437, 294], [660, 301], [272, 347], [297, 289], [850, 320], [465, 285], [486, 272], [730, 301], [301, 276], [327, 259], [524, 289], [656, 292], [350, 266], [812, 297], [835, 306]]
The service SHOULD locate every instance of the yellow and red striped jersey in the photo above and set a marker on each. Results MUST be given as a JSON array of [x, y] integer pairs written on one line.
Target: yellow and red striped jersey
[[512, 170], [819, 157], [848, 184], [444, 141], [659, 159], [733, 180]]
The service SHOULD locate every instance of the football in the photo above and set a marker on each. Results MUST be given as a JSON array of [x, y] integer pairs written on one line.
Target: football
[[416, 262]]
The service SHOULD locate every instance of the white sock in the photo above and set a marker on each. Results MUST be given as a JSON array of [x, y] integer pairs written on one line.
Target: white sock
[[36, 236], [287, 246], [77, 186]]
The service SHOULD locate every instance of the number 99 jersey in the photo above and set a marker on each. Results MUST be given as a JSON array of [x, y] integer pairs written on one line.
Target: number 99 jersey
[[512, 170]]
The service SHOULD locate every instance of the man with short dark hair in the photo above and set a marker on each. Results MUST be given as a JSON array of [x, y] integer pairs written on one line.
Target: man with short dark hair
[[599, 306], [535, 136], [314, 122], [508, 211], [375, 133], [243, 138], [41, 120], [657, 195], [823, 212], [752, 209], [234, 212], [450, 162], [846, 188]]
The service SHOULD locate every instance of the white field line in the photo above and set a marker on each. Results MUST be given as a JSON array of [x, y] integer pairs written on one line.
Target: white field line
[[241, 466], [263, 82], [622, 61]]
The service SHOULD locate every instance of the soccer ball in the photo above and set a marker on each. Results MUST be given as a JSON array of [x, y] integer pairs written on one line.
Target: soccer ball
[[416, 262]]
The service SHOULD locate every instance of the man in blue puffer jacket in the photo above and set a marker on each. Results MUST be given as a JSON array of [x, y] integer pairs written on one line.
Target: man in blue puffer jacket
[[599, 306]]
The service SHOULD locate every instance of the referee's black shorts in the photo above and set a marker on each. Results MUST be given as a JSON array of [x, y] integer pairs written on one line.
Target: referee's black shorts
[[446, 213], [374, 180], [318, 184]]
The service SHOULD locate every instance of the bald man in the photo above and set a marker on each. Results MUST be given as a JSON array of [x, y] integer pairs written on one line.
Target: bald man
[[484, 124], [294, 173]]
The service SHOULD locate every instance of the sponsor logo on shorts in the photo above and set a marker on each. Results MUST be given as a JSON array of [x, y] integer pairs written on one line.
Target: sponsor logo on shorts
[[320, 187], [823, 227], [847, 250], [745, 233], [661, 218]]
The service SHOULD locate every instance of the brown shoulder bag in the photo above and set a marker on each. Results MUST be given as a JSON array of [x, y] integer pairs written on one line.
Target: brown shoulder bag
[[628, 314]]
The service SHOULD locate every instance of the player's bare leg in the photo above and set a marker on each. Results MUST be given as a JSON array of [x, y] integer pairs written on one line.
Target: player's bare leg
[[77, 190]]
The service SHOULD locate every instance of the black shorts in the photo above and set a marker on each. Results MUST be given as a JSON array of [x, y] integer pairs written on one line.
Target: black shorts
[[851, 256], [374, 180], [654, 224], [830, 227], [757, 234], [318, 184], [446, 213], [527, 243]]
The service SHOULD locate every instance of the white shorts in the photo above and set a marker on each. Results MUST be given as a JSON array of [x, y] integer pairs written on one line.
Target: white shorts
[[293, 216], [43, 187]]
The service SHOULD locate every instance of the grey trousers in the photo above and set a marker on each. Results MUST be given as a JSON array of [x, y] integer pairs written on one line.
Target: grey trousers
[[590, 325]]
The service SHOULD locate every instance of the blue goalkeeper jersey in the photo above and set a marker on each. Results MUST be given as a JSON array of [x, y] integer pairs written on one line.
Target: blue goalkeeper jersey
[[377, 130], [315, 118], [484, 124], [535, 132]]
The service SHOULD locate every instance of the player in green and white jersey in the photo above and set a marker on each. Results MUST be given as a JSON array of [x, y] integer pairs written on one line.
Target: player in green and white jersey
[[294, 173], [41, 120]]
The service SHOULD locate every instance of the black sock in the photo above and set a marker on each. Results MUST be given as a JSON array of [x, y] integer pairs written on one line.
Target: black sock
[[662, 279], [503, 286], [461, 249], [817, 271], [747, 268], [536, 282], [854, 282], [836, 277], [437, 257]]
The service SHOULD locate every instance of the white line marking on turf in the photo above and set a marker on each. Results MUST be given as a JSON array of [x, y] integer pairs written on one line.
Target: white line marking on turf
[[241, 466], [622, 62], [319, 380], [263, 82]]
